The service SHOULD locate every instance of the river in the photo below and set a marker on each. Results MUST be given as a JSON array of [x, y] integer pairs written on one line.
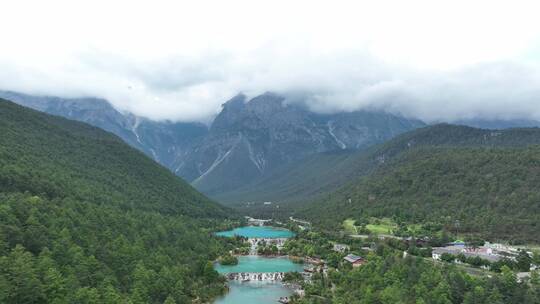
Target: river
[[255, 291]]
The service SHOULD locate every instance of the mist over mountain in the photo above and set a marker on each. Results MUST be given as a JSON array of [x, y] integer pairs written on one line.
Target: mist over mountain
[[251, 143], [164, 141], [143, 143], [247, 140]]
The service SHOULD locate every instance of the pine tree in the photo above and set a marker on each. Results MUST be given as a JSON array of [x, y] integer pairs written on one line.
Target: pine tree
[[169, 300], [22, 277]]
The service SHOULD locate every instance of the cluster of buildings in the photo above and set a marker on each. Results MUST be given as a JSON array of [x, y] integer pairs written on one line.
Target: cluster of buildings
[[318, 265], [469, 252], [489, 252]]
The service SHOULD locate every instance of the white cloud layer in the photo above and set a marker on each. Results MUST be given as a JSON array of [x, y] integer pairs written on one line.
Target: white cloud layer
[[180, 60]]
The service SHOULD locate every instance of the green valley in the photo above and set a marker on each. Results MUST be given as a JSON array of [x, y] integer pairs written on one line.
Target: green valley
[[87, 219], [263, 152]]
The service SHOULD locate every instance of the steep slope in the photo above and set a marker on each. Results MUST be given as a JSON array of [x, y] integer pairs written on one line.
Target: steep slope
[[322, 173], [296, 182], [86, 218], [484, 180], [250, 139], [166, 142]]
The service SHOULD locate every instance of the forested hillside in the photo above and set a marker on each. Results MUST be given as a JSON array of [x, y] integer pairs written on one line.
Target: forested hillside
[[487, 192], [322, 173], [292, 183], [246, 141], [84, 218]]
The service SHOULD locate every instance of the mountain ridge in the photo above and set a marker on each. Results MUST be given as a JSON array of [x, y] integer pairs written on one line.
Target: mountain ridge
[[254, 137], [315, 177], [247, 139]]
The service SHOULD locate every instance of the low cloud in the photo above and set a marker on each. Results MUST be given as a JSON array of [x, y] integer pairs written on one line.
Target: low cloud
[[418, 62], [191, 89]]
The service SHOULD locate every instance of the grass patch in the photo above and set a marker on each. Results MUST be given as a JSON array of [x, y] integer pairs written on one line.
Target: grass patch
[[349, 227], [377, 226], [381, 226], [414, 228]]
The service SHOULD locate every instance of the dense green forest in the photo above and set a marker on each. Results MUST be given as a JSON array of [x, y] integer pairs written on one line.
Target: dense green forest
[[84, 218], [389, 278], [304, 181], [486, 192]]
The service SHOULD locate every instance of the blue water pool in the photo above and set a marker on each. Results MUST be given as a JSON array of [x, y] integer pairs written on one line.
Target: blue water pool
[[258, 232], [254, 263], [254, 293]]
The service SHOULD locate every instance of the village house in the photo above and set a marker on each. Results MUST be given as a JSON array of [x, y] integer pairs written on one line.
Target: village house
[[355, 260]]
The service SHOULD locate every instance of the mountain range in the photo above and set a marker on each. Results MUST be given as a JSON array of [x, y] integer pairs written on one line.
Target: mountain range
[[256, 149], [247, 141]]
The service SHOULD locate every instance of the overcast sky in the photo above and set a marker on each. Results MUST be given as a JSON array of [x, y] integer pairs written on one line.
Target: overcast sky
[[180, 60]]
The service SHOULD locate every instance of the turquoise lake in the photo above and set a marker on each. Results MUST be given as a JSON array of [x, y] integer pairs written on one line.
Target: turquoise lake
[[254, 292], [254, 263], [258, 232]]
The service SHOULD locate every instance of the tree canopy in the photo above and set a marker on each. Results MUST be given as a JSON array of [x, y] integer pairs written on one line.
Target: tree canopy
[[84, 218]]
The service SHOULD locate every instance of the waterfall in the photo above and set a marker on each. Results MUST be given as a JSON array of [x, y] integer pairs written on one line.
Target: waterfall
[[279, 242], [253, 249], [256, 276]]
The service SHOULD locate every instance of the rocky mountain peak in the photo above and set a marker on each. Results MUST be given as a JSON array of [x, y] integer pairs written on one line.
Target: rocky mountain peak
[[236, 103], [230, 112], [246, 141], [268, 102]]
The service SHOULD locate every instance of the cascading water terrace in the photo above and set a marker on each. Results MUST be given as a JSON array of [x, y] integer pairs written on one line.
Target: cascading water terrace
[[256, 276], [253, 248], [254, 242]]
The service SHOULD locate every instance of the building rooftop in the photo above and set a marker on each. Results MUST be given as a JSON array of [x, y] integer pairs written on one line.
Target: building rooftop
[[455, 250], [351, 258]]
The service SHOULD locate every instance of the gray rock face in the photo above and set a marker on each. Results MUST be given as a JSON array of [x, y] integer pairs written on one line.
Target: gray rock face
[[246, 140], [165, 142], [250, 138]]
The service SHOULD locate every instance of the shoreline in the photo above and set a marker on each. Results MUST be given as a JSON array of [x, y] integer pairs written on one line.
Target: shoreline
[[293, 288]]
